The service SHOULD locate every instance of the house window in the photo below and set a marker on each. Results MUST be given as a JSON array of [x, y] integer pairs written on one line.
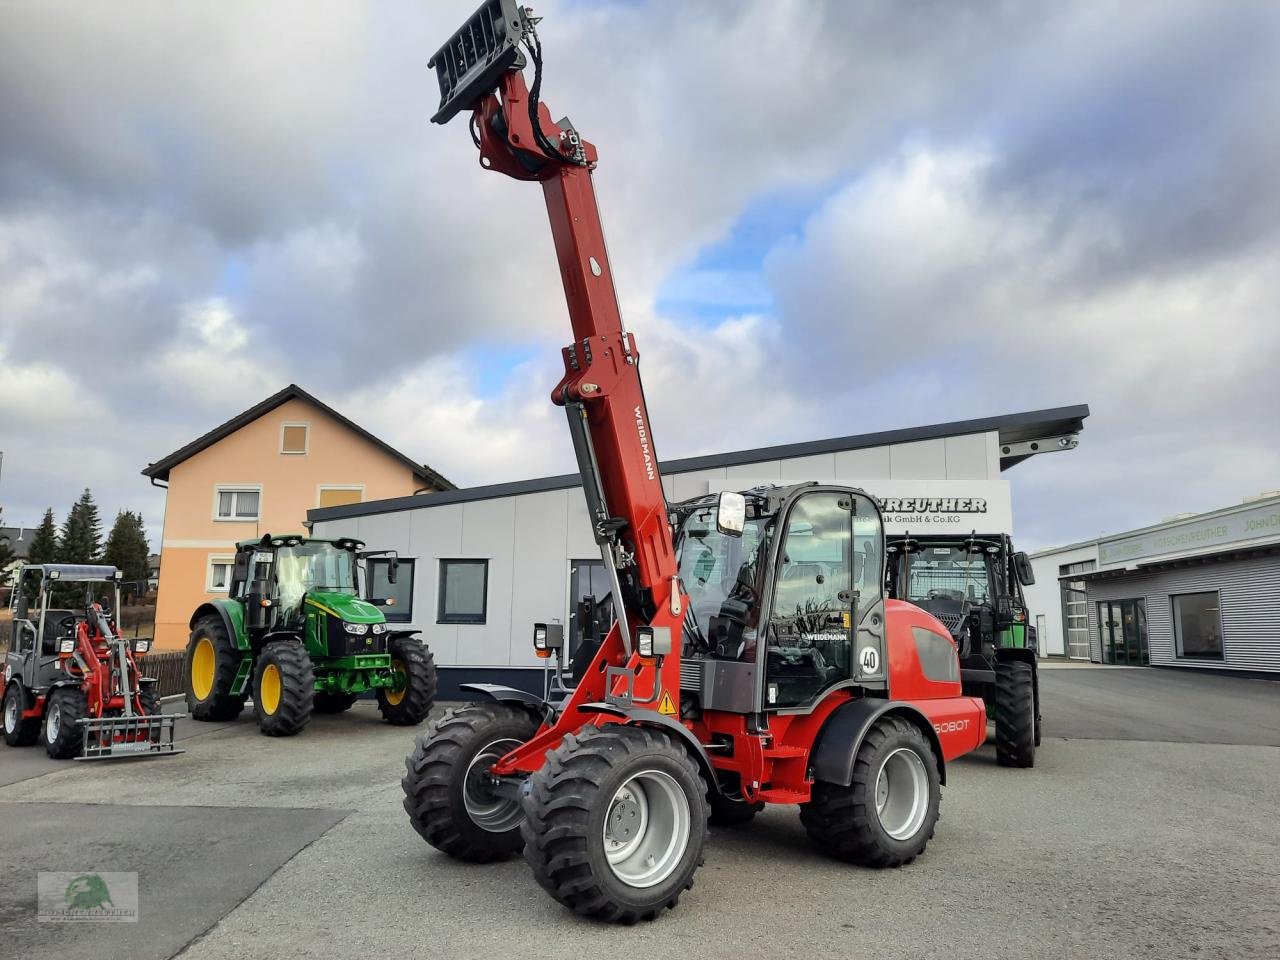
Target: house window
[[236, 503], [464, 588], [219, 578], [339, 494], [381, 588], [293, 437], [1197, 625]]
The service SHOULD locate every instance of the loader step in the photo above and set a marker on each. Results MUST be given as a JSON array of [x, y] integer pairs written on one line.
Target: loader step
[[784, 752], [771, 795]]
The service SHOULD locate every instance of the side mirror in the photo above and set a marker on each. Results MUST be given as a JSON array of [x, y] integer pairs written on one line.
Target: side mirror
[[731, 514], [392, 567], [1022, 568]]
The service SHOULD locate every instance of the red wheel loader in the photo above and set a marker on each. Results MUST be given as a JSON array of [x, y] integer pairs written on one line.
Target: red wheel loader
[[71, 680], [754, 658]]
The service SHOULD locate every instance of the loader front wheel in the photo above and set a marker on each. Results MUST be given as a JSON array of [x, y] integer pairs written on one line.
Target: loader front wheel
[[886, 815], [284, 688], [63, 738], [17, 731], [212, 662], [615, 821], [413, 663], [1015, 714], [447, 792]]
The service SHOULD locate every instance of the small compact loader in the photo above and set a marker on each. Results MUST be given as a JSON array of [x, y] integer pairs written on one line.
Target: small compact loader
[[295, 634], [753, 659], [71, 680], [973, 585]]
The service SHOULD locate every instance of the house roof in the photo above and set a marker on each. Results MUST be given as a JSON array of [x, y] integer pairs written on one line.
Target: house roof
[[1013, 428], [160, 469]]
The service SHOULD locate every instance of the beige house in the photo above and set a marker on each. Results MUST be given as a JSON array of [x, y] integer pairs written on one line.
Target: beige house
[[260, 472]]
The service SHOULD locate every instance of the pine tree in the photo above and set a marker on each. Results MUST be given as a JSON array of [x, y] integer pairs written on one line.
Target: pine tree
[[6, 548], [81, 538], [44, 543], [126, 546]]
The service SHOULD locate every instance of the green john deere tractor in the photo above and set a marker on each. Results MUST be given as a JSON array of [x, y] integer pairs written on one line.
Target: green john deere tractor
[[295, 634], [973, 585]]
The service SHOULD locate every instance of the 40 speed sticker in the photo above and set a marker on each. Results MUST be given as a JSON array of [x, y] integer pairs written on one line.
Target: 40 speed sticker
[[869, 660]]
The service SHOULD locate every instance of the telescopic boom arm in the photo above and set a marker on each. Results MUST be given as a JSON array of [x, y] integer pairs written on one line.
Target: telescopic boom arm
[[479, 70]]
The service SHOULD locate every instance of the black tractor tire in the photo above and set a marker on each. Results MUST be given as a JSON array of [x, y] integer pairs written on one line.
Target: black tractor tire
[[846, 823], [218, 705], [730, 811], [17, 731], [593, 778], [1015, 714], [444, 791], [65, 707], [149, 699], [334, 702], [289, 710], [412, 704]]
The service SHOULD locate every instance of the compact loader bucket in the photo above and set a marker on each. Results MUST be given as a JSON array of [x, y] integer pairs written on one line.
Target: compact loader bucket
[[136, 737]]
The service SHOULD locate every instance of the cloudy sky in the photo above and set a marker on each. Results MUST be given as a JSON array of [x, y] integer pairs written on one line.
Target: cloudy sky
[[824, 219]]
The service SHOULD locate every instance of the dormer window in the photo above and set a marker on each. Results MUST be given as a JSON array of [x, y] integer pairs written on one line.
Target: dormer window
[[294, 437]]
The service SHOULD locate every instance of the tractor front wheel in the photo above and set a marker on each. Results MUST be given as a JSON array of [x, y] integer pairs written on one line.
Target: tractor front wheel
[[62, 736], [447, 790], [886, 815], [212, 662], [17, 731], [1015, 714], [284, 688], [615, 821], [412, 661]]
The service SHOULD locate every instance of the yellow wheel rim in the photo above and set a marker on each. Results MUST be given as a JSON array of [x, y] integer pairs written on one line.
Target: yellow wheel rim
[[402, 676], [269, 689], [203, 664]]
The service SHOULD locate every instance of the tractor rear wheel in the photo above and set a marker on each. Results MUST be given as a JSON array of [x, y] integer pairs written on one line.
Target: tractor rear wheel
[[334, 702], [17, 731], [61, 733], [447, 792], [1015, 714], [212, 662], [409, 705], [886, 815], [284, 688], [615, 821]]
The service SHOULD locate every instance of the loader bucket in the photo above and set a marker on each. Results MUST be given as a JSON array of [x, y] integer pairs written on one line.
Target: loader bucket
[[469, 64], [118, 738]]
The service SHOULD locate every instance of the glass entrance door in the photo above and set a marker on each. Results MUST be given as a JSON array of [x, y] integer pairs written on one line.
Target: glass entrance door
[[1122, 628]]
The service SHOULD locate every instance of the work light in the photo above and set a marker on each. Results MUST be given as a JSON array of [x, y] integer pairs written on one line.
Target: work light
[[66, 646], [141, 646], [653, 641], [547, 637]]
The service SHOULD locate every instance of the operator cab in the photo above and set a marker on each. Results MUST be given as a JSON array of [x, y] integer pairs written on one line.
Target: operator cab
[[802, 571]]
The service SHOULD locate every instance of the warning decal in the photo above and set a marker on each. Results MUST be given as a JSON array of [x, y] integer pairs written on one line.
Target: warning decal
[[666, 706]]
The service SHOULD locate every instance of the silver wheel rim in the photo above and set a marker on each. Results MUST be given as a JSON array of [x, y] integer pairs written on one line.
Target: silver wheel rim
[[487, 810], [647, 828], [55, 722], [10, 714], [902, 794]]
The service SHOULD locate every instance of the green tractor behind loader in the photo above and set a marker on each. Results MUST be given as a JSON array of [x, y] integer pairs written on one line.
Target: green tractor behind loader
[[295, 634]]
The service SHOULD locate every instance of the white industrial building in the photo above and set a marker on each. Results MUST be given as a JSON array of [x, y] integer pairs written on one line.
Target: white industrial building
[[1198, 591], [480, 566]]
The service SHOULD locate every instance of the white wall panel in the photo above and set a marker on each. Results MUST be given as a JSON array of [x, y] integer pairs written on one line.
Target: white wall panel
[[855, 467], [966, 457], [540, 573], [921, 460]]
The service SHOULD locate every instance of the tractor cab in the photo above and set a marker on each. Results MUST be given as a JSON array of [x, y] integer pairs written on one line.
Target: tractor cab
[[784, 583], [291, 583]]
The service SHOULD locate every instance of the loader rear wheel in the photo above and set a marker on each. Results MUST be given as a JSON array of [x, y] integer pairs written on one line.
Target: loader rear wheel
[[447, 793], [1015, 714], [284, 688], [212, 662], [334, 702], [409, 705], [886, 815], [17, 731], [61, 733], [615, 822]]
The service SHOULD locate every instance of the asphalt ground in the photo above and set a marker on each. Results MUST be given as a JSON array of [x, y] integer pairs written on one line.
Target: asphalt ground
[[1141, 832]]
